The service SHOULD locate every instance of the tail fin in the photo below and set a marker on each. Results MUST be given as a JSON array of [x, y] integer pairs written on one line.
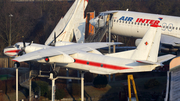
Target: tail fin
[[66, 24], [148, 48]]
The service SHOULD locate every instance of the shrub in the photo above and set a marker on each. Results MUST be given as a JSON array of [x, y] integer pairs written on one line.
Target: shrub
[[58, 95], [40, 85], [76, 89], [151, 83], [100, 81]]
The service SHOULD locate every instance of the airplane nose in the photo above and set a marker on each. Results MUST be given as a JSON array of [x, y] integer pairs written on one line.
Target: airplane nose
[[5, 51], [10, 51]]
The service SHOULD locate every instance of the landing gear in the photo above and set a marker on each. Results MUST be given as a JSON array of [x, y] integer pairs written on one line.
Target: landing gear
[[16, 64]]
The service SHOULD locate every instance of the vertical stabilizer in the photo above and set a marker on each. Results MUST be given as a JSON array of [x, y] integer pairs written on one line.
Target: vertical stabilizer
[[148, 48], [74, 16]]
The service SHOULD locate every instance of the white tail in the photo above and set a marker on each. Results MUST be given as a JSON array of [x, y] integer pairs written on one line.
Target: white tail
[[148, 48], [73, 19]]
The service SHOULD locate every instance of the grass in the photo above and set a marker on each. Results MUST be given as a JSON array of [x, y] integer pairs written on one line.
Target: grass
[[12, 96], [113, 88]]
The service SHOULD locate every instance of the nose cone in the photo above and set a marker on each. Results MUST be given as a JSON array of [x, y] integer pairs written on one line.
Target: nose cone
[[11, 51], [93, 22]]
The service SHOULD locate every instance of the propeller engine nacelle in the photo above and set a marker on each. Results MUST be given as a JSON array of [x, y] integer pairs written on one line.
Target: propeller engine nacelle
[[13, 51]]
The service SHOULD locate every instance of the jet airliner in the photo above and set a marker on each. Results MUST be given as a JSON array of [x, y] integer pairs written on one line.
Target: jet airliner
[[135, 24]]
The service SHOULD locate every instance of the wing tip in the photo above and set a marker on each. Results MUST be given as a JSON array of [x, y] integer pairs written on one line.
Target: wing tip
[[15, 60]]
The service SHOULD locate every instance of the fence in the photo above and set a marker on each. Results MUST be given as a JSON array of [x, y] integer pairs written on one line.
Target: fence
[[6, 62]]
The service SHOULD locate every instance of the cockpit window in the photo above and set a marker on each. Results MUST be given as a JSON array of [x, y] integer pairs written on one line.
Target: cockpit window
[[16, 45]]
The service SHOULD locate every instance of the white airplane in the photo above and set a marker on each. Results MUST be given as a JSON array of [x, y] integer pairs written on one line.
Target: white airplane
[[83, 56], [72, 24], [135, 24]]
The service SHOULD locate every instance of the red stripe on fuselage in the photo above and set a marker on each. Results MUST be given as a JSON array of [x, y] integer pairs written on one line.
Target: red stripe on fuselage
[[102, 65]]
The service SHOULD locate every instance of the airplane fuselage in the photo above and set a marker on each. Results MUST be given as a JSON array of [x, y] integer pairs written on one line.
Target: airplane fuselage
[[101, 64], [135, 24]]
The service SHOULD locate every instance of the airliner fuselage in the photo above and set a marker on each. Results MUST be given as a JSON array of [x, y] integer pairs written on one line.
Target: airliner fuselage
[[135, 24]]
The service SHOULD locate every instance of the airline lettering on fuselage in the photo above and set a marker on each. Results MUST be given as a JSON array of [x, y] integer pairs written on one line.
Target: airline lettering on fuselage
[[148, 21], [126, 18]]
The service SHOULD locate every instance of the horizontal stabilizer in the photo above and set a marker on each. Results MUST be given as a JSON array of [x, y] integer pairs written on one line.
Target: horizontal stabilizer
[[148, 62], [165, 58], [161, 59]]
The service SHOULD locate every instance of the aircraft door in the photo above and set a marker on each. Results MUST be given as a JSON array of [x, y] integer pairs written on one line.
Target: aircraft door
[[102, 18]]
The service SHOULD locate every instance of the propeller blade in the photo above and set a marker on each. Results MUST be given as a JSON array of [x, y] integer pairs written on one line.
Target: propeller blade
[[54, 37], [24, 45]]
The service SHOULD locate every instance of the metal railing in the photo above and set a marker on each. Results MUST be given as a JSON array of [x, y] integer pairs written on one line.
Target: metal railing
[[99, 34], [24, 78]]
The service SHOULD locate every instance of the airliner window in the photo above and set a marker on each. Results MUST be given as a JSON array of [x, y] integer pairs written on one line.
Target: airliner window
[[179, 28], [114, 20], [144, 24], [173, 27], [122, 21], [141, 24], [138, 23], [176, 28], [135, 23], [126, 21], [132, 22], [119, 21], [166, 26], [147, 24], [129, 22], [163, 26], [170, 27]]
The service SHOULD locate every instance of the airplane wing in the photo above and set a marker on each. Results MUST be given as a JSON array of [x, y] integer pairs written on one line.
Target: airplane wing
[[110, 12], [62, 50], [170, 40]]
